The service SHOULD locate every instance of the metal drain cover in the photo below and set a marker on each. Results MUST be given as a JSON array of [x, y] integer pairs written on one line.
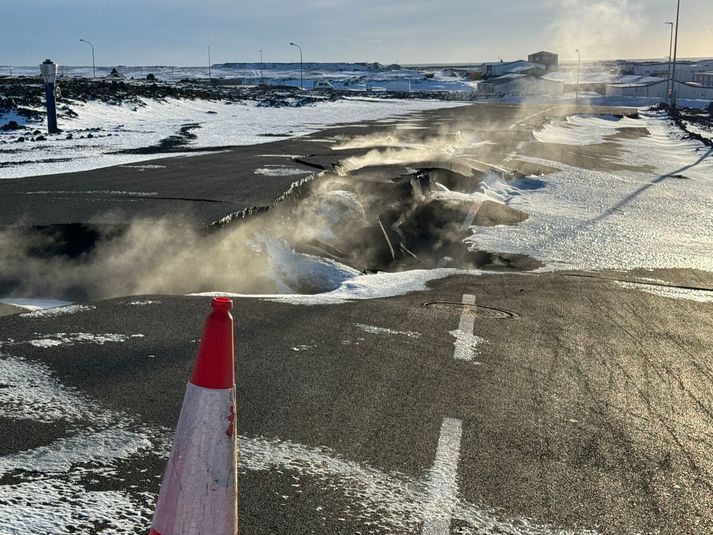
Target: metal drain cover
[[480, 311]]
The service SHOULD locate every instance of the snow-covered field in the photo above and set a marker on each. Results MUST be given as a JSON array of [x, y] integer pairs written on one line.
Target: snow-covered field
[[347, 76], [128, 126]]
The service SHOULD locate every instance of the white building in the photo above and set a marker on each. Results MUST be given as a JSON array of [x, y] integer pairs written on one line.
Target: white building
[[658, 89], [521, 85], [703, 78], [685, 70], [499, 68]]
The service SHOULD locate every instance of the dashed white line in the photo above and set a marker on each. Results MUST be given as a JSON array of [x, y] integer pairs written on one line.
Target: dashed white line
[[442, 484], [464, 334]]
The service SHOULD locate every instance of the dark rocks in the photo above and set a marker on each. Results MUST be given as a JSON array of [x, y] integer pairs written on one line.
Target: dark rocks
[[11, 125]]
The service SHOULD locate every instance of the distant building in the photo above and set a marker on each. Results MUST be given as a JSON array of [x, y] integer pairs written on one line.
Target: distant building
[[499, 68], [519, 85], [703, 78], [657, 88], [548, 59], [685, 70]]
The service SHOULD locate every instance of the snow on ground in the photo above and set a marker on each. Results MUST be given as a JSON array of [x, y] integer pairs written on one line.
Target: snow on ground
[[37, 303], [60, 502], [220, 124], [280, 170], [647, 218], [360, 287], [584, 129], [373, 329], [60, 311]]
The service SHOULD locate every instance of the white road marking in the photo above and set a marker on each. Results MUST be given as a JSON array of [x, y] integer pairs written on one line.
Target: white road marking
[[442, 484], [464, 334]]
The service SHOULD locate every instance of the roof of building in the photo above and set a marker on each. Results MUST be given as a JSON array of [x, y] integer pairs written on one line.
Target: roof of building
[[505, 78], [529, 67], [493, 63], [543, 52]]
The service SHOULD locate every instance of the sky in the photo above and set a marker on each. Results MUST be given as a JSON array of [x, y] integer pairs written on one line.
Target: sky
[[178, 32]]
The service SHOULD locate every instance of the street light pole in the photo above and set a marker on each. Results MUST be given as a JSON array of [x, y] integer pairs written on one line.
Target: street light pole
[[579, 63], [210, 73], [300, 49], [261, 66], [675, 54], [670, 58], [94, 69]]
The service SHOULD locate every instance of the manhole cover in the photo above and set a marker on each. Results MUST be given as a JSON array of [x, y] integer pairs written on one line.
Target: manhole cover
[[480, 311]]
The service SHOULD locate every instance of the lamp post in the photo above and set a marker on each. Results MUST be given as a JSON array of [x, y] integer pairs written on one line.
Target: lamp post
[[579, 63], [673, 67], [670, 58], [210, 73], [261, 66], [300, 49], [48, 69], [94, 69]]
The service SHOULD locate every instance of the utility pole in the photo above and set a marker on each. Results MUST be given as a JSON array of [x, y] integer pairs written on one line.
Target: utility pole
[[670, 59], [673, 67]]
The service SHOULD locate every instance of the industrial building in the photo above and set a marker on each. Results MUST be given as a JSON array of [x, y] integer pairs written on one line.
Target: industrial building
[[499, 68], [657, 88], [548, 59], [520, 84], [703, 78]]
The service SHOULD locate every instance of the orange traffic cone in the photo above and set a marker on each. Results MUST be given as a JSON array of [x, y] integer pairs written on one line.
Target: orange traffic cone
[[199, 488]]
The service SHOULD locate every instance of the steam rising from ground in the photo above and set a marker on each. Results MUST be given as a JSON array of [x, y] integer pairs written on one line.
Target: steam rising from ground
[[600, 29], [171, 255], [330, 215]]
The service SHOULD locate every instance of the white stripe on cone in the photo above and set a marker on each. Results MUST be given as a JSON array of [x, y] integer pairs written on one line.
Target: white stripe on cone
[[198, 493]]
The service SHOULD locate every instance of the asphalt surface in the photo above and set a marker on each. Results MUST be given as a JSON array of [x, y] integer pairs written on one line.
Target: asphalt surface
[[585, 406], [575, 413]]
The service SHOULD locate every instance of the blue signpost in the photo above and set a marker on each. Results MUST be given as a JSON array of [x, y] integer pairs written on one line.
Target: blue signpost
[[49, 75]]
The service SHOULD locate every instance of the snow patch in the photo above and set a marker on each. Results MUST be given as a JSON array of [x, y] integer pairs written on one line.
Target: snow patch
[[34, 303], [360, 287], [60, 456], [69, 339], [281, 170], [60, 311], [584, 129], [371, 329], [29, 391]]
